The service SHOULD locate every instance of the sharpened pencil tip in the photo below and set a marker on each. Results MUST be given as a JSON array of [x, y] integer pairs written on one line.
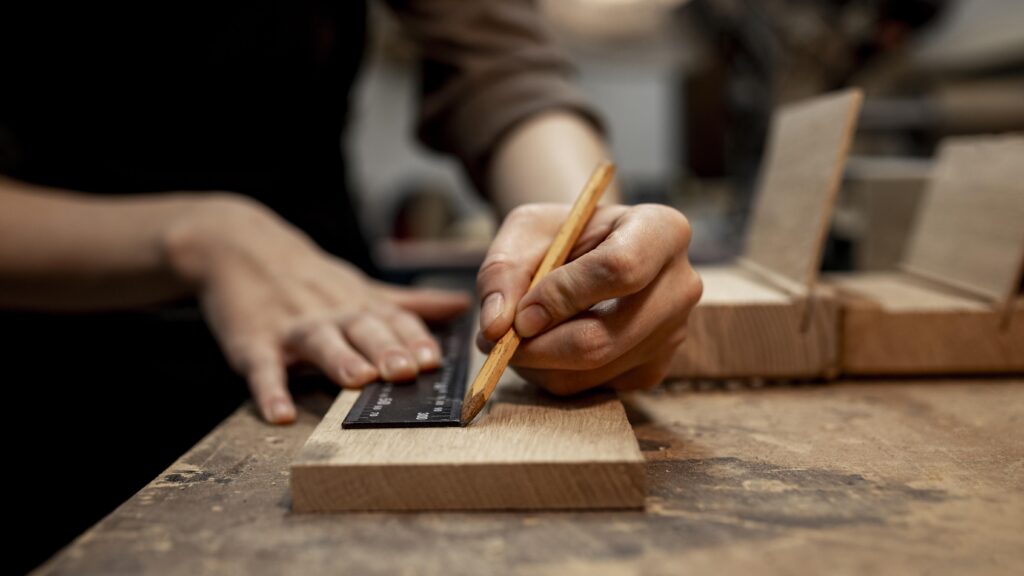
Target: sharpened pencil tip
[[471, 408]]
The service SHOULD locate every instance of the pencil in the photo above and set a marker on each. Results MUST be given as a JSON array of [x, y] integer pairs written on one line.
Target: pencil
[[496, 362]]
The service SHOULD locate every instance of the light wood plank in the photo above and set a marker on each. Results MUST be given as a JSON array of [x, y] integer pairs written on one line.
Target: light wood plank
[[803, 168], [970, 231], [764, 316], [894, 323], [745, 328], [530, 451]]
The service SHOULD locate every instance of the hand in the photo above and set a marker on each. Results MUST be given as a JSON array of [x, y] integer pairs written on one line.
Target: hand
[[612, 315], [273, 298]]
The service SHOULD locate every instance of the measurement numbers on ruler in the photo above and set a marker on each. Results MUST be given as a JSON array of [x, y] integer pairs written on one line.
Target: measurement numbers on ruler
[[433, 399]]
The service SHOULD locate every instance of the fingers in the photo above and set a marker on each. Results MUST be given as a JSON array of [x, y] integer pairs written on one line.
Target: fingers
[[625, 372], [516, 252], [644, 240], [417, 338], [645, 376], [608, 331], [264, 370], [377, 341], [321, 344], [433, 305], [506, 271]]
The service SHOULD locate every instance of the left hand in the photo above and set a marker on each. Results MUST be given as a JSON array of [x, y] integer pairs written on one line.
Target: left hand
[[612, 315]]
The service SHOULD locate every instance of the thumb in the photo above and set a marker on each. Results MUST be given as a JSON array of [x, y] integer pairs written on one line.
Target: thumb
[[604, 273], [431, 304]]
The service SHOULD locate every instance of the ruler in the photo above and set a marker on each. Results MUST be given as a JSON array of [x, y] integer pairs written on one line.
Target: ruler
[[433, 399]]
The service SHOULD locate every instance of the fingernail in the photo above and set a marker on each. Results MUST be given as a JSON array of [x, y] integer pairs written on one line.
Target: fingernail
[[427, 356], [281, 412], [532, 320], [397, 365], [357, 375], [492, 308]]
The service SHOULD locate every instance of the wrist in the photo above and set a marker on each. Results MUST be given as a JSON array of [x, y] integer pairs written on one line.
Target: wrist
[[198, 235]]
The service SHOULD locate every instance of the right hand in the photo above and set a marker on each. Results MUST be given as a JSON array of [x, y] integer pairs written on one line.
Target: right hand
[[273, 298]]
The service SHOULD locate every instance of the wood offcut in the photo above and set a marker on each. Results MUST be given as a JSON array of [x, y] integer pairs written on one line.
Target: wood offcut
[[955, 307], [766, 315], [532, 451]]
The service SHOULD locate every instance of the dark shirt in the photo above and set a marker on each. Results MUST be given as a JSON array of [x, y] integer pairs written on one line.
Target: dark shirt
[[251, 97]]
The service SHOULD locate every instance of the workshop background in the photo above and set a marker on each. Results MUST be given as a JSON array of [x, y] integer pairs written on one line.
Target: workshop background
[[687, 89]]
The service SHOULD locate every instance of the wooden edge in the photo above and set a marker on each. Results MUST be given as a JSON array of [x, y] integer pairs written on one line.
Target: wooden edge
[[808, 278], [474, 487], [813, 354], [853, 114], [995, 300], [778, 281], [1000, 300]]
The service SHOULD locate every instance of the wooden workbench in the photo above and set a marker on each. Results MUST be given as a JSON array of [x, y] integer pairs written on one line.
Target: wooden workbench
[[854, 477]]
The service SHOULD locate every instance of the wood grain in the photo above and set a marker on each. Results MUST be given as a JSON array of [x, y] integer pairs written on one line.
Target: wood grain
[[764, 316], [743, 327], [532, 451], [894, 323], [970, 231], [880, 477], [497, 360], [956, 309], [800, 178]]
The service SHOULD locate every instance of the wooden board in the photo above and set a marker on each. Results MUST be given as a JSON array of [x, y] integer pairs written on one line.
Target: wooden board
[[894, 323], [528, 451], [880, 477], [970, 231], [764, 316], [743, 327], [803, 168]]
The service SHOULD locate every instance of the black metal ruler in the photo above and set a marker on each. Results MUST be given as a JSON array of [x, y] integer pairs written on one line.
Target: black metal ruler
[[433, 399]]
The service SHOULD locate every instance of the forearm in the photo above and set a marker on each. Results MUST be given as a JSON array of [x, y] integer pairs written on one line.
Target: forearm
[[65, 251], [548, 158]]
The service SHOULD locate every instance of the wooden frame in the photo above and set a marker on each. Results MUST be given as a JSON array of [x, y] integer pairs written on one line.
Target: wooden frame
[[766, 315], [955, 307]]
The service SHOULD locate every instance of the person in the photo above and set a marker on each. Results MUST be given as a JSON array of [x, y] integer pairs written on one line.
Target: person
[[151, 155]]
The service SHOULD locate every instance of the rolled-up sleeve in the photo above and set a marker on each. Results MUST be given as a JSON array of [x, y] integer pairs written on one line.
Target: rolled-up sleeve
[[487, 65]]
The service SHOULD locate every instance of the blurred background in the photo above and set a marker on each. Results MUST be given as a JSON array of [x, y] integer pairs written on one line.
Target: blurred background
[[687, 89]]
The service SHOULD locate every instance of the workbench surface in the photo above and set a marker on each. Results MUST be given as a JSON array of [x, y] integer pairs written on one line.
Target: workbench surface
[[853, 477]]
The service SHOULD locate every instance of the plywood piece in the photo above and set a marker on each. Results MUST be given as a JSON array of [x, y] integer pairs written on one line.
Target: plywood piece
[[894, 323], [802, 172], [530, 451], [744, 328], [970, 231]]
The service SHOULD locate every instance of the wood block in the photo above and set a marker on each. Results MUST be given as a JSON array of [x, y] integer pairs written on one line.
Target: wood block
[[745, 328], [956, 308], [532, 451], [765, 316], [802, 171], [970, 232], [894, 323]]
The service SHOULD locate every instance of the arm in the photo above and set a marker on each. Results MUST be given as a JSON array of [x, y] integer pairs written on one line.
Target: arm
[[547, 158], [60, 250], [497, 94], [269, 294]]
